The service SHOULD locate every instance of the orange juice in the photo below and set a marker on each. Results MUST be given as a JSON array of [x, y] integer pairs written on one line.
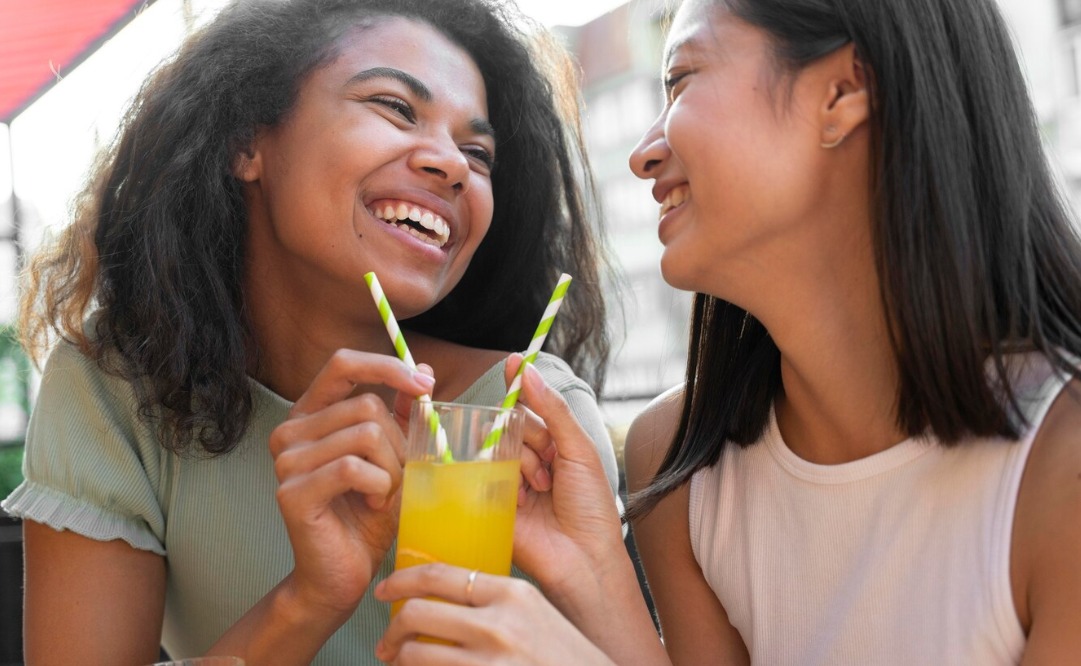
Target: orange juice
[[460, 513]]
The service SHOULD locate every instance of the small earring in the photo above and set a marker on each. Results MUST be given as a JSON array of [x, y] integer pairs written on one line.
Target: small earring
[[834, 144]]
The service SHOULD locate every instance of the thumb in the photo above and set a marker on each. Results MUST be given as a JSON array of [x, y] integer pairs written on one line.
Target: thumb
[[403, 402], [570, 439], [510, 368]]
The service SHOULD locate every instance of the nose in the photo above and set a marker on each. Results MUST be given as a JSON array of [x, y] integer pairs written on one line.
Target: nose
[[652, 150], [440, 157]]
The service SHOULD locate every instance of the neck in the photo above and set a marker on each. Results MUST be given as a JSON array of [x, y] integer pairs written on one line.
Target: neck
[[824, 311], [840, 385], [295, 337]]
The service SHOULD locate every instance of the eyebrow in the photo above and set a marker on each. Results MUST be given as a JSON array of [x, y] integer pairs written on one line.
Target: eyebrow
[[423, 92], [482, 126], [413, 83], [690, 42]]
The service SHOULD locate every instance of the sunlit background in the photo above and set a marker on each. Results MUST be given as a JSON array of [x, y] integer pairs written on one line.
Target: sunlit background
[[50, 144]]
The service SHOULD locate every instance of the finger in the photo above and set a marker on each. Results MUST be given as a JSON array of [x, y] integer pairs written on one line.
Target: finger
[[343, 475], [416, 653], [367, 441], [363, 408], [461, 625], [534, 471], [535, 434], [347, 368], [403, 401], [441, 580], [570, 440], [510, 368]]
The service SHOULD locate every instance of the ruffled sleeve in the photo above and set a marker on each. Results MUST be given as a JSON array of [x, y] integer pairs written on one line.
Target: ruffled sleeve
[[91, 465]]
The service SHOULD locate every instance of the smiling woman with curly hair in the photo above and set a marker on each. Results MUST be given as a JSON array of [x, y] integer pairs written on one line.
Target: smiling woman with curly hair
[[214, 458]]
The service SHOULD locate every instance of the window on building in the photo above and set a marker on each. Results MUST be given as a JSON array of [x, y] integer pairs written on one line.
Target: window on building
[[1073, 66]]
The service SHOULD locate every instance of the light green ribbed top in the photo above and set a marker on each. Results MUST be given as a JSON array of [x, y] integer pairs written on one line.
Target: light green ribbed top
[[94, 468]]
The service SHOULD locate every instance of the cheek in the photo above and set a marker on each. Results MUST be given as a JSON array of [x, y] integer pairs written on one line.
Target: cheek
[[481, 208]]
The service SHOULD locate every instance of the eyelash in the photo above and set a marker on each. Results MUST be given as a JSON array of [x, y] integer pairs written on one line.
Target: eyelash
[[671, 82], [404, 110], [482, 156], [398, 106]]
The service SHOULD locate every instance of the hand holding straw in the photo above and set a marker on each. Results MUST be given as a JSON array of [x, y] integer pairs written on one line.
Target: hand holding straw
[[400, 347], [530, 355]]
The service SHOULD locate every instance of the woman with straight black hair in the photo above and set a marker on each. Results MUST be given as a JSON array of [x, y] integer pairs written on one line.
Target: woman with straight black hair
[[876, 456], [214, 458]]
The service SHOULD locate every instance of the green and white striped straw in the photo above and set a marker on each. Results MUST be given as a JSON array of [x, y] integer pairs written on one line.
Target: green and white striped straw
[[530, 355], [396, 337]]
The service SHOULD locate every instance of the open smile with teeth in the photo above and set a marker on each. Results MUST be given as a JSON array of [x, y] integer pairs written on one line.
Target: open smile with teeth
[[414, 220], [678, 196]]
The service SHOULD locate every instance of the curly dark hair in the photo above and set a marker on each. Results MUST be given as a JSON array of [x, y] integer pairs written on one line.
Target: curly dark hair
[[156, 249]]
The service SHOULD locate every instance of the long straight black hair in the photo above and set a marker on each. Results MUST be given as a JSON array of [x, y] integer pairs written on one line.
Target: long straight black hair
[[975, 251]]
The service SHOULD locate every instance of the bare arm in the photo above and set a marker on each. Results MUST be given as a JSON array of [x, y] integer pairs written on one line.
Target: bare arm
[[338, 461], [1046, 553], [694, 624], [90, 602]]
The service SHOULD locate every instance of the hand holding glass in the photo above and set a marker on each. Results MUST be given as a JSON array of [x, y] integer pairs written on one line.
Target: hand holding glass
[[461, 511]]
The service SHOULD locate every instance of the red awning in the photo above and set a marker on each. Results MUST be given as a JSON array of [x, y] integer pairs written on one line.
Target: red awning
[[41, 39]]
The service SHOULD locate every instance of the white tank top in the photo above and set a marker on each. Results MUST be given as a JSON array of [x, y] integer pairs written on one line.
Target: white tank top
[[899, 558]]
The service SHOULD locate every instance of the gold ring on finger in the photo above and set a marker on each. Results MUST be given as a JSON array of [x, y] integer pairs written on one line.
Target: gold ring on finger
[[469, 583]]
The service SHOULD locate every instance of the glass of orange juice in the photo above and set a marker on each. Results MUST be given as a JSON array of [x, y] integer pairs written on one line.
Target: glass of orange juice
[[459, 508]]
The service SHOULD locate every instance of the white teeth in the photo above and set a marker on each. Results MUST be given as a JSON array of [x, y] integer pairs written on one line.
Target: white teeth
[[674, 198], [425, 218], [424, 237]]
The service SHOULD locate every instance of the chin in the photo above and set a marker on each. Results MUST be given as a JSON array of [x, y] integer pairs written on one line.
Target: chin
[[676, 273]]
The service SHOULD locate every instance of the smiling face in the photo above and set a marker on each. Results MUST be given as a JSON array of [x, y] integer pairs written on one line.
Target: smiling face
[[734, 157], [383, 164]]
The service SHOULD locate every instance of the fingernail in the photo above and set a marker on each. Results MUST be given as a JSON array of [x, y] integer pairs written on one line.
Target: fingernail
[[543, 479], [423, 379], [379, 589], [533, 378]]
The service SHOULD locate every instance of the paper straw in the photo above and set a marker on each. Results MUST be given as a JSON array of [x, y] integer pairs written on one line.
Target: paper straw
[[396, 337], [530, 355]]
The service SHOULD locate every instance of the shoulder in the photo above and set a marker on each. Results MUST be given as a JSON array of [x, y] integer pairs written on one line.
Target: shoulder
[[80, 378], [1047, 532], [559, 375], [650, 436]]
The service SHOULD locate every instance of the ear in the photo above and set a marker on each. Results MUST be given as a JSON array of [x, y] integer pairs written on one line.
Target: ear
[[248, 163], [847, 103]]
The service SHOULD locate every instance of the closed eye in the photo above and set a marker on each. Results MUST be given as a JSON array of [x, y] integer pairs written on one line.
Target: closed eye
[[481, 156], [671, 82], [397, 105]]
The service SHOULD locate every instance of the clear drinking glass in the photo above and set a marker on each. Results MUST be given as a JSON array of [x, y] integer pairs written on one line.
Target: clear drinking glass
[[459, 509]]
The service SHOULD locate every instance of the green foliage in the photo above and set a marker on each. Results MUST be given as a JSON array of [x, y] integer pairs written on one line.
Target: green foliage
[[14, 374], [11, 475]]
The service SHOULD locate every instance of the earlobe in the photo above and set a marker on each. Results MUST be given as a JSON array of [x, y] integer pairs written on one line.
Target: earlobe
[[248, 165], [847, 104]]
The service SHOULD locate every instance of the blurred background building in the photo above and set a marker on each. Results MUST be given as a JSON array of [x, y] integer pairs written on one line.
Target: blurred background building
[[619, 54], [45, 151], [47, 146]]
